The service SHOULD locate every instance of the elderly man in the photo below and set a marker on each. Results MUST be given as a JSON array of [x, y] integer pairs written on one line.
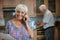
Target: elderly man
[[47, 23]]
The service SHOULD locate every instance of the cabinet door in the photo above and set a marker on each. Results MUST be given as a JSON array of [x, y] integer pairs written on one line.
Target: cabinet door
[[1, 11], [10, 3], [31, 5]]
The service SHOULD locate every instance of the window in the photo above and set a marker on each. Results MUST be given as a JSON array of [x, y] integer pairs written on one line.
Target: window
[[51, 5], [38, 3]]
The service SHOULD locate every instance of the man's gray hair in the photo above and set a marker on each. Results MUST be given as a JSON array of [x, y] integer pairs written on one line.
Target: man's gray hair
[[22, 6], [42, 7]]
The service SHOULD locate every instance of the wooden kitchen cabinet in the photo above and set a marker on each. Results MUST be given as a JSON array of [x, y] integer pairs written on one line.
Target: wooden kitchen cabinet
[[1, 11], [53, 5], [32, 4], [57, 24], [14, 3], [11, 3]]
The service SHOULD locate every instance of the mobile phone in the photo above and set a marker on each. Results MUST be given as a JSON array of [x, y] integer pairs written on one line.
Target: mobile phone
[[25, 18]]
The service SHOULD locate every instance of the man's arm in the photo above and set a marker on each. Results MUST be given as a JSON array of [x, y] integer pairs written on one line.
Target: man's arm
[[41, 24]]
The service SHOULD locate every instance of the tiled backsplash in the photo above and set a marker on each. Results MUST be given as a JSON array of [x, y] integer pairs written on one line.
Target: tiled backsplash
[[37, 20], [40, 19], [57, 18], [2, 22]]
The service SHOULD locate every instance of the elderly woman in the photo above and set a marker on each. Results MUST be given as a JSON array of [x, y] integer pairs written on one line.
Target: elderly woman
[[19, 27]]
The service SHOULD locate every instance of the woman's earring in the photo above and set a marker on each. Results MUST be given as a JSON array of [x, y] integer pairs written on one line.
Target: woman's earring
[[14, 14]]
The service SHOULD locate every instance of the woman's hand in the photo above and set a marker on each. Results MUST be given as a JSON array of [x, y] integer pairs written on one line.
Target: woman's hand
[[28, 27]]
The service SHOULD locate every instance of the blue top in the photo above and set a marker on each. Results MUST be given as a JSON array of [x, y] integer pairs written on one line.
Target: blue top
[[17, 33]]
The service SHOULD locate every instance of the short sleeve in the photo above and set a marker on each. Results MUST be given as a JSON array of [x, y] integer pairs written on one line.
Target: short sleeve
[[32, 24], [46, 18], [7, 28]]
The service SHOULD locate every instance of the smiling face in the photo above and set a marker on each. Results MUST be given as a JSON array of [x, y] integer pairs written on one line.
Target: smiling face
[[20, 13]]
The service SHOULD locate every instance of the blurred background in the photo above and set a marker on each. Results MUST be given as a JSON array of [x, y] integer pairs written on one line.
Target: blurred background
[[7, 11]]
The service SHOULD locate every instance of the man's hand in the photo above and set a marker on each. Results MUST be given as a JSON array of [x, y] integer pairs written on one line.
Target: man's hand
[[37, 27], [40, 25]]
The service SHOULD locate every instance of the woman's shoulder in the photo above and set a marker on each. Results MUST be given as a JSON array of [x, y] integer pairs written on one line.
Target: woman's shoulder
[[9, 22]]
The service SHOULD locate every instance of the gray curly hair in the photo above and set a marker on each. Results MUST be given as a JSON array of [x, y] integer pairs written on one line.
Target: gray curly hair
[[42, 7], [22, 6]]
